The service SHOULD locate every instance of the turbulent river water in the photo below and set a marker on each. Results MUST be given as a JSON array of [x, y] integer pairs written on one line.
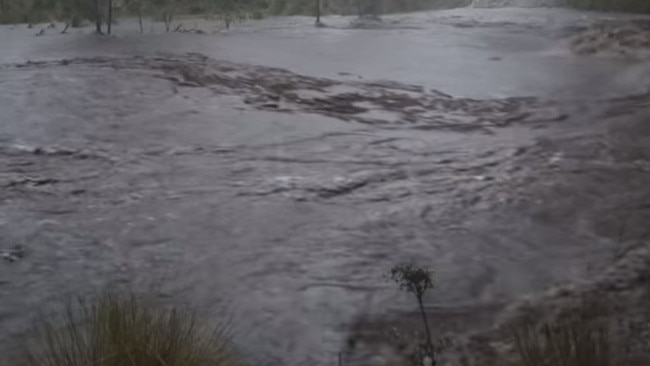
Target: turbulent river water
[[471, 141]]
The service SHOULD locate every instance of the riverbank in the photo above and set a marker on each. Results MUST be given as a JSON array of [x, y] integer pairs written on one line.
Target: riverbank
[[629, 39]]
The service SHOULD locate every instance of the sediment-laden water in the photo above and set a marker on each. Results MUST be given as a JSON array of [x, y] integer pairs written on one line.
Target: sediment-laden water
[[472, 141]]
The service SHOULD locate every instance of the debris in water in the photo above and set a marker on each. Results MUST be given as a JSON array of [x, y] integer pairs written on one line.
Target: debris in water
[[14, 254]]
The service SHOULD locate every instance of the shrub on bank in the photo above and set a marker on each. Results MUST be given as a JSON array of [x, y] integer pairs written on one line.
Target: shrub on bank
[[118, 329]]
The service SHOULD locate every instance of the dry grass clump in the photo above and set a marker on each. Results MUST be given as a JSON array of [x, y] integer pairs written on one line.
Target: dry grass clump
[[117, 329], [572, 342]]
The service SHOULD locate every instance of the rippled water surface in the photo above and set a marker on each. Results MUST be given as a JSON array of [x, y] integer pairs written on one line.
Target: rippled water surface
[[284, 197]]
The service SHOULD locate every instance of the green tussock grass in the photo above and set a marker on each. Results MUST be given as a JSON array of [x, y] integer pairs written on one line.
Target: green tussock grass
[[122, 330]]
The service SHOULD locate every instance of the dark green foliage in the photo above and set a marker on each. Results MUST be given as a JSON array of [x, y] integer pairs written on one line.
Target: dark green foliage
[[38, 11], [76, 21], [74, 11], [24, 11], [636, 6], [231, 11], [412, 278], [359, 7]]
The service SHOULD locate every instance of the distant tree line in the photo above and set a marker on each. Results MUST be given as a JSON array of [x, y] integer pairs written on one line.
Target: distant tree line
[[634, 6], [358, 7], [102, 12]]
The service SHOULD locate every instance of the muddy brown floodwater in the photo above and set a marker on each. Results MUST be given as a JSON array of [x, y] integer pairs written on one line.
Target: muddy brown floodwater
[[470, 141]]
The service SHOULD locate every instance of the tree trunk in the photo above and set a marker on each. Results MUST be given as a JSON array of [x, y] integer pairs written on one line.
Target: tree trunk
[[372, 9], [98, 18], [110, 17], [428, 331], [67, 25], [140, 19], [317, 11]]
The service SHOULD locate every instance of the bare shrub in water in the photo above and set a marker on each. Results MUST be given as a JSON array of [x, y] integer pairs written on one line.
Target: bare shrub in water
[[122, 330]]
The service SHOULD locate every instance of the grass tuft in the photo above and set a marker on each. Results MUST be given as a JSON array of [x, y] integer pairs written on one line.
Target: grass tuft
[[573, 342], [122, 330]]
